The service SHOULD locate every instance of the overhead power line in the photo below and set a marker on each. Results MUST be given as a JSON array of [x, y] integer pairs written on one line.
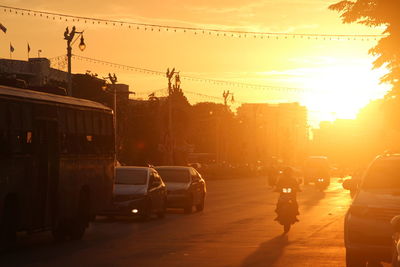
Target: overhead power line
[[173, 28], [60, 61]]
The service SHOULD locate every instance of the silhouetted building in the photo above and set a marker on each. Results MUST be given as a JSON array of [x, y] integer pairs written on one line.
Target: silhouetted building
[[36, 72]]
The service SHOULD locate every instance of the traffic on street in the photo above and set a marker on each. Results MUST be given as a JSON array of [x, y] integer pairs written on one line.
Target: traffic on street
[[236, 228]]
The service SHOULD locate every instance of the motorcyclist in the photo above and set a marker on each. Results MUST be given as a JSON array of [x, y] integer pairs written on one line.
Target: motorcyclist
[[287, 180]]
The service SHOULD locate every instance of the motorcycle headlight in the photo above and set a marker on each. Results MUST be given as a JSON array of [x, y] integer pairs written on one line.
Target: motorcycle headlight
[[286, 190]]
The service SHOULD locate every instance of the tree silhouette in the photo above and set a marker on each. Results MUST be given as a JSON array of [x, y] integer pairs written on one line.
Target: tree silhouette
[[374, 13]]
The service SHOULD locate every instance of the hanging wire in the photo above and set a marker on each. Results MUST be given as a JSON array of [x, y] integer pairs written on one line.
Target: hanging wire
[[196, 79], [211, 31]]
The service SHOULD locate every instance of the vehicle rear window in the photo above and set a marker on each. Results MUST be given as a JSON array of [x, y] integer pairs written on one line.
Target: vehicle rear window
[[134, 177], [317, 163], [383, 174], [180, 176]]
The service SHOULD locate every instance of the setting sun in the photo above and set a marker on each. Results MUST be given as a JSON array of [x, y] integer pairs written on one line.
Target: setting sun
[[244, 133], [339, 92]]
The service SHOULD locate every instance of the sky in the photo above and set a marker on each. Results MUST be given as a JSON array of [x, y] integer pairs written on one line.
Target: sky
[[334, 79]]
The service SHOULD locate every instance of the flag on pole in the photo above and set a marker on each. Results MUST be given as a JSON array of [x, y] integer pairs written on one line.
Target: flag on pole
[[11, 48], [4, 29], [29, 50]]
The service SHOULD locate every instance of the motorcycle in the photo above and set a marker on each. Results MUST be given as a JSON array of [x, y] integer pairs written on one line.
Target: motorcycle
[[321, 183], [286, 209]]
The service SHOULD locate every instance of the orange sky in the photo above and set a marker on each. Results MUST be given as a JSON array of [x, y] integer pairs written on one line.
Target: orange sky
[[336, 75]]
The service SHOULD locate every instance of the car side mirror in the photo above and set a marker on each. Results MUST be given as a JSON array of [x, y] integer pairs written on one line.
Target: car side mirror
[[395, 222], [348, 184]]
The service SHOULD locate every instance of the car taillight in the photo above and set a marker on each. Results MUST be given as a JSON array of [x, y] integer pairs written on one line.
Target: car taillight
[[358, 211]]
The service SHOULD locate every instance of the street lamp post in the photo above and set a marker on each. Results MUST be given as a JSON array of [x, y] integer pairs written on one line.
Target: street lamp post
[[69, 36], [170, 145], [113, 80]]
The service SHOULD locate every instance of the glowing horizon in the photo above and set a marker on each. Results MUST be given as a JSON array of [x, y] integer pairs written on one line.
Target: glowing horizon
[[336, 75]]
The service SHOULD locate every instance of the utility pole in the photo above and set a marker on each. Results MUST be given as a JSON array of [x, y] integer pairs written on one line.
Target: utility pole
[[221, 138], [113, 80], [225, 95], [170, 144]]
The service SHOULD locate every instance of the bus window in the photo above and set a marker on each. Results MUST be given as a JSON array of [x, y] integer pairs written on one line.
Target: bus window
[[3, 116], [80, 124], [4, 142], [62, 120], [103, 125], [71, 122], [96, 124], [109, 125], [26, 116], [88, 122], [15, 116]]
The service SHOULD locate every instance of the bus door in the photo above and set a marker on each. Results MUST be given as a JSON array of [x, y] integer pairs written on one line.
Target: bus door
[[46, 178]]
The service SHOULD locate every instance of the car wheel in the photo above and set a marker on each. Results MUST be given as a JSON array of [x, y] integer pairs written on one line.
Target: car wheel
[[146, 212], [189, 205], [200, 206], [60, 231], [161, 213], [354, 259]]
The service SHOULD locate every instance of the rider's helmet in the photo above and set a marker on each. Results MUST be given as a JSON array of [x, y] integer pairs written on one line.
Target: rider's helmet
[[287, 172]]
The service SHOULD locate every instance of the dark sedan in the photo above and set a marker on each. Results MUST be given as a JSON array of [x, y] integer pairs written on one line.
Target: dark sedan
[[138, 191], [186, 188]]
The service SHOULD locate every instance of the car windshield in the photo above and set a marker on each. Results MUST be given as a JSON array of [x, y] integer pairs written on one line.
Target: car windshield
[[174, 175], [383, 174], [131, 176]]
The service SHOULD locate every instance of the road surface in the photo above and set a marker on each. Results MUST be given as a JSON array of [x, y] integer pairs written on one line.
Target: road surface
[[236, 228]]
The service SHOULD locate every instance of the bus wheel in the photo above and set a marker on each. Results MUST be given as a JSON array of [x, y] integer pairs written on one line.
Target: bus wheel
[[8, 224], [82, 219], [60, 231]]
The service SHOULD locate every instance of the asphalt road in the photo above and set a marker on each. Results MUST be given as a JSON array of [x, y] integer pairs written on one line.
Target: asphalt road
[[236, 228]]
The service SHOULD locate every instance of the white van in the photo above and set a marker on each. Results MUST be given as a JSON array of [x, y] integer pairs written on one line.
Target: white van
[[367, 228]]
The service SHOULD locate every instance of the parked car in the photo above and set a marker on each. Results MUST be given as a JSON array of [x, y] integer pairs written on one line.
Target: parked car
[[186, 188], [138, 191], [396, 241], [367, 229]]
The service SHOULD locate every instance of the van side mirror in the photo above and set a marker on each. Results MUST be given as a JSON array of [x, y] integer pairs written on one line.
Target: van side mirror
[[155, 183], [348, 184], [395, 222]]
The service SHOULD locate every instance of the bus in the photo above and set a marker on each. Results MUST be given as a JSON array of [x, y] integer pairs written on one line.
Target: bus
[[56, 163]]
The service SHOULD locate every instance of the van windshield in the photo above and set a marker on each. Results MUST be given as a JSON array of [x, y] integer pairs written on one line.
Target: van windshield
[[383, 174], [131, 176]]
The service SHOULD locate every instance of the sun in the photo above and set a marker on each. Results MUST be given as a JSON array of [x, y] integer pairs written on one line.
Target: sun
[[340, 92]]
